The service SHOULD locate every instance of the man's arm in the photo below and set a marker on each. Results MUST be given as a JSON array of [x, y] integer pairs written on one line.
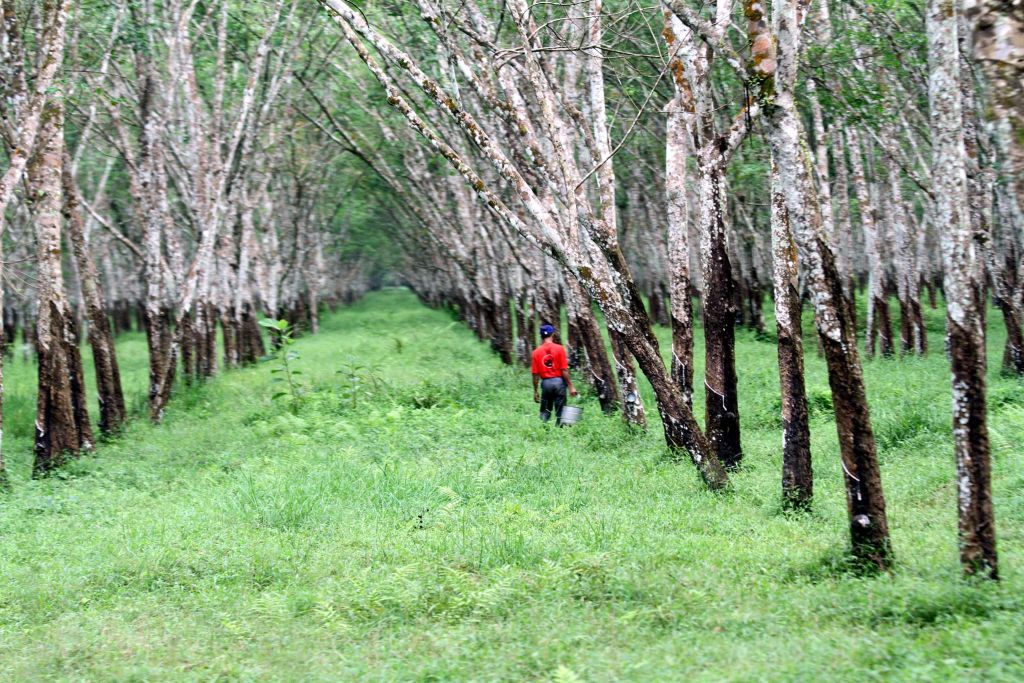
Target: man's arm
[[568, 382], [536, 391], [563, 360]]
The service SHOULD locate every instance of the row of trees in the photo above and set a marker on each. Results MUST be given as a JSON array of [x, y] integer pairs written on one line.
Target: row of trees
[[800, 148], [194, 164], [158, 168]]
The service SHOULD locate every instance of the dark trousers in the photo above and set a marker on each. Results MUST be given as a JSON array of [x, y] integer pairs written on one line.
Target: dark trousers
[[552, 397]]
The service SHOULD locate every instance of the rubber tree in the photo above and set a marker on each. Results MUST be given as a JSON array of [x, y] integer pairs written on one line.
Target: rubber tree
[[963, 281], [775, 93], [62, 418], [585, 247], [101, 339]]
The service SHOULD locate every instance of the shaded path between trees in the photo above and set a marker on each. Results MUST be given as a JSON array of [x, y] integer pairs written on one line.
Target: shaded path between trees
[[414, 519]]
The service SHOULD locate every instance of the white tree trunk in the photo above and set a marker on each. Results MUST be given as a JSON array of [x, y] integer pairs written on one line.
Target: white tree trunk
[[964, 284]]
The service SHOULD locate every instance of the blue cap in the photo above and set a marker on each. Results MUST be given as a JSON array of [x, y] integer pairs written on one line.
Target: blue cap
[[546, 330]]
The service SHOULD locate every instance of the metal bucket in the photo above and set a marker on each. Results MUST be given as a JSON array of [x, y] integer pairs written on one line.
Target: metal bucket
[[571, 415]]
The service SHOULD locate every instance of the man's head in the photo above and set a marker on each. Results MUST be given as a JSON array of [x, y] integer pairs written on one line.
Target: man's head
[[547, 331]]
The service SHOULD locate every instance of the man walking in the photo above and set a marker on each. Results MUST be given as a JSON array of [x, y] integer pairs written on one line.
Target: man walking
[[551, 376]]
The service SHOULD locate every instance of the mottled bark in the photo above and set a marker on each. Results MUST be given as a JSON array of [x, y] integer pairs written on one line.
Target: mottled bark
[[575, 351], [797, 473], [504, 331], [1005, 276], [722, 424], [632, 404], [208, 366], [6, 337], [25, 109], [549, 306], [879, 327], [151, 212], [252, 345], [1013, 354], [776, 80], [526, 337], [713, 150], [29, 116], [101, 340], [843, 241], [678, 239], [231, 332], [599, 365], [868, 524], [913, 336], [997, 42], [750, 291], [964, 289], [62, 420]]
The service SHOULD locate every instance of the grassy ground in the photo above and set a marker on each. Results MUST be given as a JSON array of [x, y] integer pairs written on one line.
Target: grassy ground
[[413, 521]]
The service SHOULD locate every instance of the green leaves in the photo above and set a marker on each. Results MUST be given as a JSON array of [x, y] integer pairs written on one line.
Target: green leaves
[[276, 325], [282, 338]]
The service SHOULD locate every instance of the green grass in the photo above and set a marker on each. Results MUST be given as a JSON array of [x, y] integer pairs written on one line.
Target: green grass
[[415, 522]]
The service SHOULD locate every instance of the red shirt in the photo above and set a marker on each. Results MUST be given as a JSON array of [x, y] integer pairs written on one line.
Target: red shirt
[[549, 360]]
